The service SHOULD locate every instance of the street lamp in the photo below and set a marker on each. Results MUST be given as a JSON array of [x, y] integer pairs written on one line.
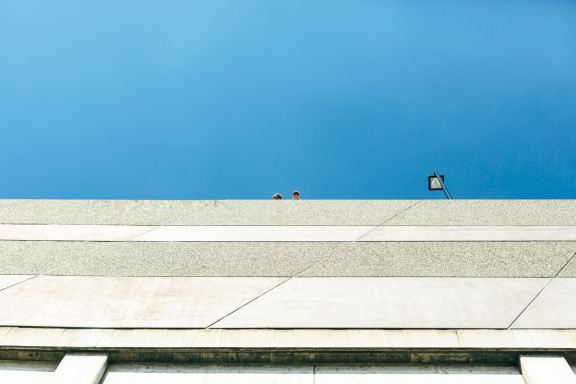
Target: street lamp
[[436, 183]]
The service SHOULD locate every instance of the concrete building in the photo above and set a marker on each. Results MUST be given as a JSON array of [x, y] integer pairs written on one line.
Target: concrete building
[[350, 291]]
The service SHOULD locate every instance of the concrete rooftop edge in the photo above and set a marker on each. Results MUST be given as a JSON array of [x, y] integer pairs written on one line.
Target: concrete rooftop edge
[[289, 339], [303, 212]]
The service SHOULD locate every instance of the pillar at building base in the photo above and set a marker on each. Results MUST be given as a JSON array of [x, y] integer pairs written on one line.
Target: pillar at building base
[[546, 370], [79, 368]]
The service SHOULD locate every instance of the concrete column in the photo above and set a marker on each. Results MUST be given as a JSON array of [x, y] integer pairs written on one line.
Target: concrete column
[[80, 368], [546, 370]]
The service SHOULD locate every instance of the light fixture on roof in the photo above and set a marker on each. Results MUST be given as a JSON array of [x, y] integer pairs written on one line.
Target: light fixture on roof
[[436, 183]]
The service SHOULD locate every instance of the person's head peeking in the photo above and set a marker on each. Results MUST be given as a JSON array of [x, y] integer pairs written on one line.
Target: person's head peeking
[[296, 195], [277, 196]]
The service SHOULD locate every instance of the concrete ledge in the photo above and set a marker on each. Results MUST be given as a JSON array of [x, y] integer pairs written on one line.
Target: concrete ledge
[[72, 232], [299, 339], [546, 369], [291, 356], [80, 368], [302, 233]]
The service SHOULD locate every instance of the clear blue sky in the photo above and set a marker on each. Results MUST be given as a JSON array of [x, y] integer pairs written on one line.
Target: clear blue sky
[[242, 99]]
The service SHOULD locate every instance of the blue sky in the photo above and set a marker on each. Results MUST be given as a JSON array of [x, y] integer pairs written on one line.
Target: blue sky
[[243, 99]]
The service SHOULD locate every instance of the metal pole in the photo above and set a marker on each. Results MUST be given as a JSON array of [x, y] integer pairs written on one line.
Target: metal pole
[[443, 186]]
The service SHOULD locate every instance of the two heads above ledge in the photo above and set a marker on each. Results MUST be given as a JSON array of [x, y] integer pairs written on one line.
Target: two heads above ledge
[[295, 196]]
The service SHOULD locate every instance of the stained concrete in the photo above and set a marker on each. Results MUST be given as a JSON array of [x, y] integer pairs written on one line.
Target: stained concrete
[[416, 374], [183, 259], [113, 212], [446, 259], [302, 212], [489, 212], [277, 342], [80, 302], [208, 374], [388, 303], [555, 307]]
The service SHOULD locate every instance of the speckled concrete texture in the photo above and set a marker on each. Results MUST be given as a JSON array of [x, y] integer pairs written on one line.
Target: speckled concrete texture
[[162, 258], [447, 259], [113, 212], [37, 257], [489, 212], [570, 269], [303, 212]]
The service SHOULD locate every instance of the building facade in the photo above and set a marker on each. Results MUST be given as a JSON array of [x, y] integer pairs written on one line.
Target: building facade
[[317, 291]]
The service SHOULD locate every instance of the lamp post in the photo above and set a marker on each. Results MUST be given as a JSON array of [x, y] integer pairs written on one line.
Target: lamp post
[[436, 183]]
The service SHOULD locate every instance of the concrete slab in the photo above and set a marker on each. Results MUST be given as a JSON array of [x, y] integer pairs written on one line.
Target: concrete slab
[[446, 259], [7, 281], [106, 302], [195, 259], [113, 212], [26, 372], [417, 374], [38, 257], [71, 232], [297, 339], [80, 368], [471, 233], [286, 233], [489, 212], [388, 303], [302, 212], [546, 369], [555, 307], [256, 233], [207, 374], [570, 269]]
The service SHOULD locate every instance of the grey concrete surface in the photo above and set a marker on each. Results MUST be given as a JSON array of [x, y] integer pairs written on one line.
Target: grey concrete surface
[[71, 232], [80, 368], [257, 233], [26, 372], [167, 302], [546, 369], [555, 307], [113, 212], [286, 212], [388, 303], [424, 259], [489, 212], [9, 280], [37, 257], [570, 269], [416, 374], [471, 233], [207, 374], [181, 259], [303, 212], [281, 340], [446, 259]]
